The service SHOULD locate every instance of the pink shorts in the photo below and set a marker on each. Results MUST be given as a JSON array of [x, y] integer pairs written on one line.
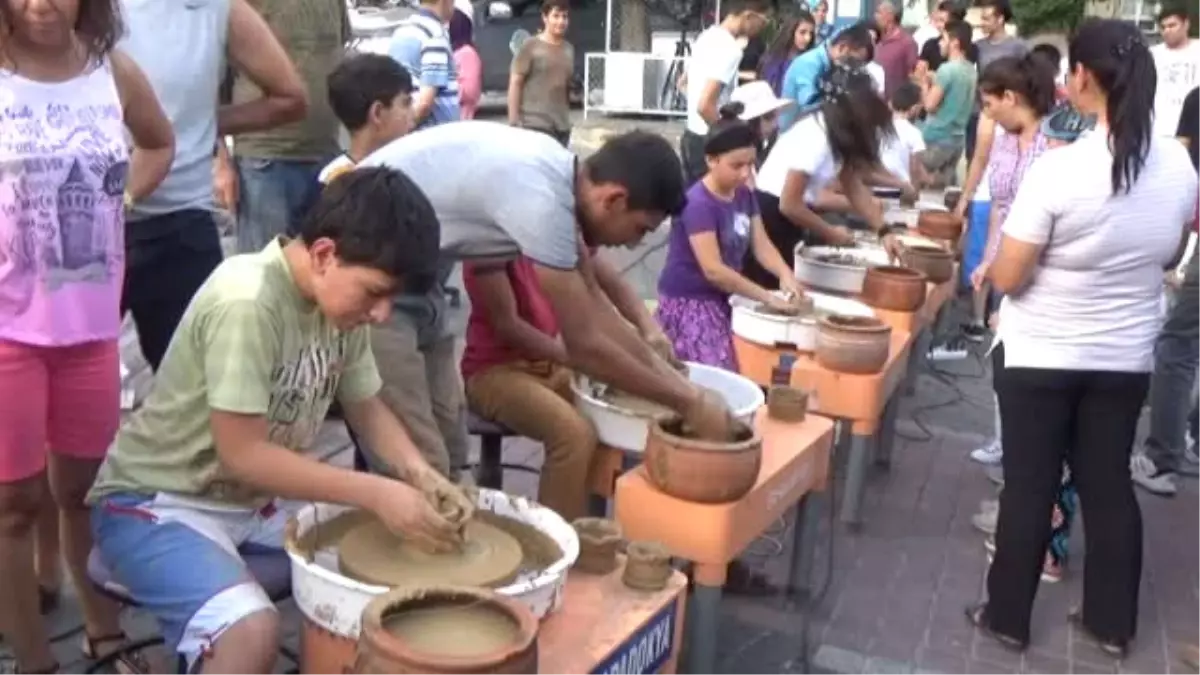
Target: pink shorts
[[65, 400]]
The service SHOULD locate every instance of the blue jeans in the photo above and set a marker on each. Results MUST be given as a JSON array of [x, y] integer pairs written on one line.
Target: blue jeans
[[1175, 361], [274, 196]]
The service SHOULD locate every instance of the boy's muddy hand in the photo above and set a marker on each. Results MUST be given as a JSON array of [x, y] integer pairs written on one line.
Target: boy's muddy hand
[[708, 418], [449, 500], [406, 512]]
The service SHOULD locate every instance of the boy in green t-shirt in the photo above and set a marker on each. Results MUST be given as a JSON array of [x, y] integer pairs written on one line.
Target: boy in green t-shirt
[[198, 477], [948, 96]]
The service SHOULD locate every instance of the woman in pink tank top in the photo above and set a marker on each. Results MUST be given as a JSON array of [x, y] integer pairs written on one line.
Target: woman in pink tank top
[[66, 174], [467, 65]]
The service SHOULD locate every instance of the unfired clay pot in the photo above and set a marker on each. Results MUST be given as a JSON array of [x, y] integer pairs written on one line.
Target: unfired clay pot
[[599, 541], [702, 471], [899, 289], [936, 263], [940, 225], [787, 404], [647, 566], [852, 344], [446, 629]]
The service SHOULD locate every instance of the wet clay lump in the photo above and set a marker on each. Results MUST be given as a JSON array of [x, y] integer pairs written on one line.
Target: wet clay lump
[[370, 553]]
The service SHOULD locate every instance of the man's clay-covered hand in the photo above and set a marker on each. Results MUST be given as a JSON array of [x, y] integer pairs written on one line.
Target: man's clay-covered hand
[[708, 418]]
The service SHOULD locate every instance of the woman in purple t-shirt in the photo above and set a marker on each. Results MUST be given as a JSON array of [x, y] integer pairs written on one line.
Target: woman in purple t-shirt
[[707, 244]]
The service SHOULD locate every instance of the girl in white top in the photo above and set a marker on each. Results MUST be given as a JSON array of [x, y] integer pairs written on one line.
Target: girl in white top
[[1081, 262], [838, 141]]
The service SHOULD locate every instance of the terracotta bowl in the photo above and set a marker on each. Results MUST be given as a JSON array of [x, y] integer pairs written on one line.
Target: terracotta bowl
[[852, 344], [702, 471], [937, 263], [647, 566], [384, 648], [940, 225], [599, 541], [899, 289]]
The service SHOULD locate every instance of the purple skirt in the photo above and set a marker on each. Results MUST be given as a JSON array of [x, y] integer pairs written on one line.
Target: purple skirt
[[700, 329]]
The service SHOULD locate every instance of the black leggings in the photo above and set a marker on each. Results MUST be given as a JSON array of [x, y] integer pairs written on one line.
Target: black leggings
[[1087, 419]]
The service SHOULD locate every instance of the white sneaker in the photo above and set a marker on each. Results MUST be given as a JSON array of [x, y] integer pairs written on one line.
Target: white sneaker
[[954, 350], [989, 454], [1146, 474], [985, 520]]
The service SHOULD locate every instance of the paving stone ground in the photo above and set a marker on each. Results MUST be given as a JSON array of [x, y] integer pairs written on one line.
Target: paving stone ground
[[896, 588]]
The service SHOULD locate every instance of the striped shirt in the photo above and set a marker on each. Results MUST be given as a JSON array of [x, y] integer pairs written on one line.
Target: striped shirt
[[421, 43]]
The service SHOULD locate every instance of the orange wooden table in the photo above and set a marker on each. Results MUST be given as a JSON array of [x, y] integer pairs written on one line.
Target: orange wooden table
[[866, 402], [795, 462], [604, 627]]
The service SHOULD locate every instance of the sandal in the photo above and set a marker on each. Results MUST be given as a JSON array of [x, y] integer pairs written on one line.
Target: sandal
[[975, 616], [126, 658], [1117, 649]]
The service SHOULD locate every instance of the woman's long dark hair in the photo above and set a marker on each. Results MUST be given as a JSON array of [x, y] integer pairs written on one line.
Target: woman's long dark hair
[[1026, 76], [1116, 55], [785, 39], [856, 117]]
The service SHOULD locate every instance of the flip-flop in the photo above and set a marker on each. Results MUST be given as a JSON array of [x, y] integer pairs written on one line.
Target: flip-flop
[[975, 617], [1114, 648]]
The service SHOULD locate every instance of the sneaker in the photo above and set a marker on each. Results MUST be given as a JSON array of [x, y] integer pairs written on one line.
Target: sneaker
[[989, 454], [974, 332], [952, 350], [995, 474], [1146, 474], [1052, 572], [1190, 466], [985, 520]]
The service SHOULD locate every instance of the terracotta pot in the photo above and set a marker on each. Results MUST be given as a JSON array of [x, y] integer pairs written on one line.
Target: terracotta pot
[[702, 471], [899, 289], [940, 225], [599, 541], [936, 263], [384, 648], [647, 566], [852, 344], [787, 404]]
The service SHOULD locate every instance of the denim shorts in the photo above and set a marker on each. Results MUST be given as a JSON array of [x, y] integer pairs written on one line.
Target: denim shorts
[[180, 559]]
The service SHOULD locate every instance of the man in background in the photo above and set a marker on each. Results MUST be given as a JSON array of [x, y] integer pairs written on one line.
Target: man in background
[[1177, 61], [947, 96], [421, 43], [996, 43], [800, 82], [712, 74], [539, 82], [896, 50], [270, 179]]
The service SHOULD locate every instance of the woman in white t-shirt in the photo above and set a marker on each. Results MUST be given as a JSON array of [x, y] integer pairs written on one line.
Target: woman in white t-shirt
[[1080, 262], [837, 141]]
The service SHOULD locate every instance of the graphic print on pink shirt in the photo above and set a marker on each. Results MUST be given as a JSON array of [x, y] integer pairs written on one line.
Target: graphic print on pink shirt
[[63, 165]]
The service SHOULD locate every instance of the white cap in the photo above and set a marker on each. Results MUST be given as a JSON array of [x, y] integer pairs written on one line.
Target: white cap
[[757, 99]]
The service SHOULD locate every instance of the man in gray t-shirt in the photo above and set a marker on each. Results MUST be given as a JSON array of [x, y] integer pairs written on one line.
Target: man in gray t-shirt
[[500, 192], [996, 43]]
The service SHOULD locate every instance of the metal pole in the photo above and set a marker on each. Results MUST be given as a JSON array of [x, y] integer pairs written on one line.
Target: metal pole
[[608, 27]]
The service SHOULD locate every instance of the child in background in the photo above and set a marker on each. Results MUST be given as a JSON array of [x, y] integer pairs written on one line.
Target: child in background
[[371, 94], [467, 64], [901, 153]]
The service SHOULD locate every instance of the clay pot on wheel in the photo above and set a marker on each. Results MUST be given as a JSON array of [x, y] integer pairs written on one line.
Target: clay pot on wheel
[[852, 344], [647, 566], [787, 404], [599, 540], [446, 629], [702, 471], [937, 263], [940, 225], [899, 289]]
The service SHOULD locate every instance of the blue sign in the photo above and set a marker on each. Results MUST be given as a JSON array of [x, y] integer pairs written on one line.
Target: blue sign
[[647, 649]]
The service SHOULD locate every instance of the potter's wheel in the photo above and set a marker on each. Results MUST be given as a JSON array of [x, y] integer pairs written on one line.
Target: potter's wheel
[[372, 554]]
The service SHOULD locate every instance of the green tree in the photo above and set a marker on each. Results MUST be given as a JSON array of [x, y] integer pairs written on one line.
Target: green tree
[[1038, 16]]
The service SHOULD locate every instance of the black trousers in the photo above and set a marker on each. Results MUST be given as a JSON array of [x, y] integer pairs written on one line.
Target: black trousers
[[691, 152], [1087, 419], [167, 258]]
